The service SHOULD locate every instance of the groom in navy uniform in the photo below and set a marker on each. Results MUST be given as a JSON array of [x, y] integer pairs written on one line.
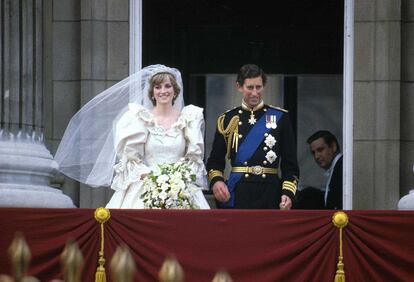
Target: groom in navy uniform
[[259, 141]]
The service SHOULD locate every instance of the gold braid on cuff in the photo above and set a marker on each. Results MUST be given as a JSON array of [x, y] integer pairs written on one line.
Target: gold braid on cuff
[[214, 173], [290, 185]]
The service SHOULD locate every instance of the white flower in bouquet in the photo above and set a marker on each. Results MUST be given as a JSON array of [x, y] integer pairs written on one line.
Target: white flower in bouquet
[[170, 186], [170, 201], [174, 190], [162, 179], [163, 195]]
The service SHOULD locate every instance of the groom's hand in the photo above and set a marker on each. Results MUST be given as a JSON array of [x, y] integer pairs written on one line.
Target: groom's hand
[[285, 203], [221, 192]]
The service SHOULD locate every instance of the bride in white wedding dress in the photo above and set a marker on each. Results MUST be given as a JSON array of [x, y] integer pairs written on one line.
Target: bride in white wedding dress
[[146, 138], [154, 128]]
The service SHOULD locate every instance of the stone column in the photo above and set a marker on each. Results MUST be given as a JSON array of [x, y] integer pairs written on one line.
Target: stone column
[[407, 96], [376, 164], [26, 166], [104, 62]]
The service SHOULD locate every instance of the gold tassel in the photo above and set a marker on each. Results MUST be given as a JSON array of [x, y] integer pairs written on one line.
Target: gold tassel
[[340, 220], [340, 273], [102, 215], [100, 274]]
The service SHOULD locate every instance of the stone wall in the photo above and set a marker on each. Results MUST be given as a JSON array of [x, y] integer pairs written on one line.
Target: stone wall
[[407, 97], [87, 50]]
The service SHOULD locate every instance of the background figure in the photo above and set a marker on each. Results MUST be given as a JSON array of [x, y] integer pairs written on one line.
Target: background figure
[[326, 152], [255, 137]]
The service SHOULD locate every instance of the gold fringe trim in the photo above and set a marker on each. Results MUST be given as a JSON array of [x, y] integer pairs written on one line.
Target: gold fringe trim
[[340, 220], [230, 133], [102, 215]]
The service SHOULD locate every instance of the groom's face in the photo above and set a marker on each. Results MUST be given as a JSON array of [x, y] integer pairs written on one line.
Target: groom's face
[[252, 90]]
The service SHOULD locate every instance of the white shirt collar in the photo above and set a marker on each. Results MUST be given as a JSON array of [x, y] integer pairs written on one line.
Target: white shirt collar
[[333, 163]]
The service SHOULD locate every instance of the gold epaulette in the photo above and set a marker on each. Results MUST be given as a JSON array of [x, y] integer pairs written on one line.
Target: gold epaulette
[[230, 133], [278, 108]]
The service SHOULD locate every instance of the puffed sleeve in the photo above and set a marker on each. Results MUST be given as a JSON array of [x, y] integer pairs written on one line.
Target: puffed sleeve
[[130, 137], [194, 134]]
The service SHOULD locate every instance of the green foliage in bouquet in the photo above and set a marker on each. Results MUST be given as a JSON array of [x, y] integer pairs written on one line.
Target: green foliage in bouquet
[[170, 186]]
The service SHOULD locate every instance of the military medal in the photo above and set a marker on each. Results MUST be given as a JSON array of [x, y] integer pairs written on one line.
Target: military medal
[[252, 120], [271, 121]]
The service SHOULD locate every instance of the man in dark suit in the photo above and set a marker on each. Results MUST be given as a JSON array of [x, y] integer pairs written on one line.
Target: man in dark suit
[[256, 138], [326, 152]]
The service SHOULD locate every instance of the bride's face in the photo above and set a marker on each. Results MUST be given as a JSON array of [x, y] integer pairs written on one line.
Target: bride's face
[[164, 92]]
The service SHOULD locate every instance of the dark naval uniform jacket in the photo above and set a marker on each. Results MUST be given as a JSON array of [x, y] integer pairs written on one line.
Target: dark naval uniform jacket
[[260, 144]]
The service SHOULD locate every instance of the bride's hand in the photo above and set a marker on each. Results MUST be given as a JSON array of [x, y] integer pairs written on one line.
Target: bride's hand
[[144, 175]]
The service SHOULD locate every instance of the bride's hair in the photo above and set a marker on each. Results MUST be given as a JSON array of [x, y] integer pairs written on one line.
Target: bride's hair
[[159, 78]]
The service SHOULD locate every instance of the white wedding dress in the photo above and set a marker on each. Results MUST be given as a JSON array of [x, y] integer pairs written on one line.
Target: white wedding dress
[[141, 144]]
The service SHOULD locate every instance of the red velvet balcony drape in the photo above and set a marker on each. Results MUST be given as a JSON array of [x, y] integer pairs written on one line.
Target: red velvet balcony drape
[[256, 245]]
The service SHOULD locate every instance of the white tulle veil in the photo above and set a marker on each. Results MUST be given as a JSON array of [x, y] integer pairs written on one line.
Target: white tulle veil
[[86, 152]]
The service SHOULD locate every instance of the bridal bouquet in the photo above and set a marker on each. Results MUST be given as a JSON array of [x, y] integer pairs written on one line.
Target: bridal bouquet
[[170, 186]]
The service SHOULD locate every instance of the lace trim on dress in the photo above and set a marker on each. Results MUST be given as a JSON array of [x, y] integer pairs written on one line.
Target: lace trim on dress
[[130, 167], [141, 112], [188, 114], [160, 132], [191, 113], [127, 171]]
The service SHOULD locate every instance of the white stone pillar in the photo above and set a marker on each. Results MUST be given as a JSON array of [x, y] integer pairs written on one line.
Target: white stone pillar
[[376, 128], [26, 166], [104, 62], [407, 97]]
